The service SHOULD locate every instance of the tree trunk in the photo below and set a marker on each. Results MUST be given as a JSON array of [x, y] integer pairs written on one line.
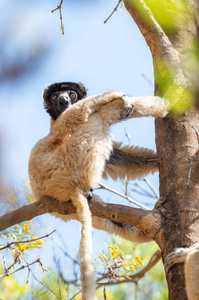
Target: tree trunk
[[177, 138], [177, 141]]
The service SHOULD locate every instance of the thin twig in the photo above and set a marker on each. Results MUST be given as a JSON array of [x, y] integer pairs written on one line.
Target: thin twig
[[4, 266], [21, 268], [128, 137], [151, 187], [42, 283], [115, 9], [26, 241], [120, 194], [60, 12]]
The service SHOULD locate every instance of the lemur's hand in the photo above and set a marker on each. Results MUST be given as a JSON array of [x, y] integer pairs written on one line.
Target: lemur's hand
[[128, 107]]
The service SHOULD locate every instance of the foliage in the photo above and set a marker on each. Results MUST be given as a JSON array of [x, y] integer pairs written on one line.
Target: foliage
[[151, 286], [172, 87], [170, 14], [116, 262], [20, 240]]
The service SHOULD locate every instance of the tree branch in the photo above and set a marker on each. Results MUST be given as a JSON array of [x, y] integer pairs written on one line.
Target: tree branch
[[154, 35], [147, 221]]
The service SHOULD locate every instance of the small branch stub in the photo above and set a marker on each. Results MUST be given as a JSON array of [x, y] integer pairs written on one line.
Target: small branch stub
[[115, 9]]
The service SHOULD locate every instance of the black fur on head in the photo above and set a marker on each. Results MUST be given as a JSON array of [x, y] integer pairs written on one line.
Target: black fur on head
[[79, 88]]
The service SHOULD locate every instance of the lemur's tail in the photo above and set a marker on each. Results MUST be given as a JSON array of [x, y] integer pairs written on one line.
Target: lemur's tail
[[130, 162], [86, 247], [124, 230]]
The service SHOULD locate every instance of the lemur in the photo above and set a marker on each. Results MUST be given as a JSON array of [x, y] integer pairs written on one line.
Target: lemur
[[68, 162], [189, 256]]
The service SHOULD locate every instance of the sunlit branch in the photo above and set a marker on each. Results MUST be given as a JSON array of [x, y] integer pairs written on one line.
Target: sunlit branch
[[118, 213]]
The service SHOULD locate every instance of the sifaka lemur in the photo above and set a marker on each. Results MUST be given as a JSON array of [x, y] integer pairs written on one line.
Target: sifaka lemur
[[78, 151]]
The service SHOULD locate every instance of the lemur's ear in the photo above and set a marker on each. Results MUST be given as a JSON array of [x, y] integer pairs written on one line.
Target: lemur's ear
[[83, 88]]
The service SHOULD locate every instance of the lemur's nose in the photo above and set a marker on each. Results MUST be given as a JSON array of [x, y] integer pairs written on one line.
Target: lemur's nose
[[63, 100]]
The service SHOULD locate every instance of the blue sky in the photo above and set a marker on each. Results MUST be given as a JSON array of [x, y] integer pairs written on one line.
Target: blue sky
[[105, 57]]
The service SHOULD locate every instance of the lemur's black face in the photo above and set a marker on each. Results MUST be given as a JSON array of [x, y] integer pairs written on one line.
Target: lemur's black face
[[59, 96], [62, 100]]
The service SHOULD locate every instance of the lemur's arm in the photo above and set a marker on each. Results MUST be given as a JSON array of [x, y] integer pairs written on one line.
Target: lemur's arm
[[145, 106], [116, 103]]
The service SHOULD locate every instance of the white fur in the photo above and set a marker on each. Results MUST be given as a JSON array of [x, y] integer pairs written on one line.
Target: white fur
[[149, 106]]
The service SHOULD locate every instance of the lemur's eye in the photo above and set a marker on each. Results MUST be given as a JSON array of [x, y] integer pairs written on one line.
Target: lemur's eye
[[53, 97], [73, 96]]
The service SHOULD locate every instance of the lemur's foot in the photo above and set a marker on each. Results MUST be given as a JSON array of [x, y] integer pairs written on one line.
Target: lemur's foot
[[88, 194], [128, 104], [160, 201]]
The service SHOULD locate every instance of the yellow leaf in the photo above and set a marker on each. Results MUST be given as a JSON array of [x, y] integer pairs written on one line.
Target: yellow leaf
[[111, 247], [139, 261], [26, 228], [132, 268], [40, 242], [20, 247]]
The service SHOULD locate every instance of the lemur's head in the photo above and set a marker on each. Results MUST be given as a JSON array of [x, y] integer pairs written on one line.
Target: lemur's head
[[59, 96]]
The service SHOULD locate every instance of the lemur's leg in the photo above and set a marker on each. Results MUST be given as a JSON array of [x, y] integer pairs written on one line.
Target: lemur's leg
[[130, 162], [134, 162]]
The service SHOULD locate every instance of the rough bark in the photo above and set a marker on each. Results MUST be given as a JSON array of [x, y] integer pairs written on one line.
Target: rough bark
[[176, 139], [147, 221]]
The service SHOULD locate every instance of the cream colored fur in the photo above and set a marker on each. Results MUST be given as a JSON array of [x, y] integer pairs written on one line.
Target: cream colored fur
[[149, 106], [189, 256], [71, 159]]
